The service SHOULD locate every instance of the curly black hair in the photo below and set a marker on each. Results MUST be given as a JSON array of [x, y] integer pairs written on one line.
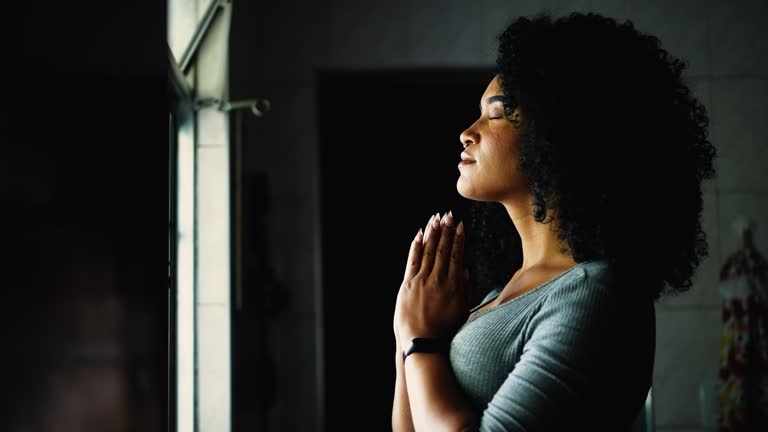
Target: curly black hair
[[613, 143]]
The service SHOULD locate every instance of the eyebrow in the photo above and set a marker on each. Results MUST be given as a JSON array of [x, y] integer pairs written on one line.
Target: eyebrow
[[497, 98]]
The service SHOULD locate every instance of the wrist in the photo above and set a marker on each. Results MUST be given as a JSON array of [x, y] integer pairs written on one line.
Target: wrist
[[433, 345]]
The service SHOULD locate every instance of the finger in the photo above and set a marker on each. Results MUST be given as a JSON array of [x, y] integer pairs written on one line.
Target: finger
[[443, 253], [427, 228], [456, 270], [430, 247], [414, 257]]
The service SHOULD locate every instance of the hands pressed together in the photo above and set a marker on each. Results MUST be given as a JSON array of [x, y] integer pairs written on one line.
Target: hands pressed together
[[434, 298]]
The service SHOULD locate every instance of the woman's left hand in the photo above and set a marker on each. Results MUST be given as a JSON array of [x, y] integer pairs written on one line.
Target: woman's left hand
[[433, 300]]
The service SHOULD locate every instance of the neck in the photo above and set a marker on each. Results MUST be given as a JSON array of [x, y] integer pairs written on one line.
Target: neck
[[541, 247]]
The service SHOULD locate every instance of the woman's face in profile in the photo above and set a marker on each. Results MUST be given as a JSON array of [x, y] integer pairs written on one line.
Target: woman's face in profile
[[492, 141]]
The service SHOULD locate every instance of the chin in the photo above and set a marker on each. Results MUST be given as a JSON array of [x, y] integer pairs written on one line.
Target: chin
[[465, 189], [461, 187]]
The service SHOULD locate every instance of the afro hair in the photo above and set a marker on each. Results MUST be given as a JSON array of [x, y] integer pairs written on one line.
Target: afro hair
[[613, 143]]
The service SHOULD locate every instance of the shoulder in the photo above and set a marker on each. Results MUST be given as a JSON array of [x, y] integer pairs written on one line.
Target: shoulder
[[597, 271], [588, 297], [591, 279], [595, 268]]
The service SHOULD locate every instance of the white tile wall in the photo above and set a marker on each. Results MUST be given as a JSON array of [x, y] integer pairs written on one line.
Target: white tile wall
[[213, 367], [437, 39], [681, 26], [687, 353], [213, 405], [617, 9], [210, 320], [752, 204], [213, 235], [740, 132], [213, 128], [357, 41], [739, 37], [285, 42]]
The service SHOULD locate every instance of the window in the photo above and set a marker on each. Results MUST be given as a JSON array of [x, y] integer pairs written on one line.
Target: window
[[199, 219]]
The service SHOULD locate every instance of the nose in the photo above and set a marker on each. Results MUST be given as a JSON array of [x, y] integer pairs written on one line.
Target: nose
[[468, 137]]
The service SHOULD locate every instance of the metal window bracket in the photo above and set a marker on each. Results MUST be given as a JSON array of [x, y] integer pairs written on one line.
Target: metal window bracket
[[258, 107]]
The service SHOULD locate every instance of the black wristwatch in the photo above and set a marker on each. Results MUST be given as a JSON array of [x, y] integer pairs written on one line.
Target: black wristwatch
[[428, 345]]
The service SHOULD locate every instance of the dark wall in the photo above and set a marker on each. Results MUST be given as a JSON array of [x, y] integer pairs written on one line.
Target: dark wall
[[83, 193]]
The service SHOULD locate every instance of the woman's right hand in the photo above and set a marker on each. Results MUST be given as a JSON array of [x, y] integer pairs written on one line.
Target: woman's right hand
[[419, 238]]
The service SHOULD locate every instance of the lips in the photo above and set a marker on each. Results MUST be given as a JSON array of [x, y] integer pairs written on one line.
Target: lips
[[466, 160]]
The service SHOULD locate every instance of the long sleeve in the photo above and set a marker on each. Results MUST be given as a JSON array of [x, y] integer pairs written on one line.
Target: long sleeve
[[566, 361]]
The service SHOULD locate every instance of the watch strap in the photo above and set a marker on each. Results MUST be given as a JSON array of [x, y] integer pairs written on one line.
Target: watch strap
[[428, 345]]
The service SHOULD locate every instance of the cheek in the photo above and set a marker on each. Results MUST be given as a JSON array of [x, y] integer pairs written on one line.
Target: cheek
[[504, 153], [503, 159]]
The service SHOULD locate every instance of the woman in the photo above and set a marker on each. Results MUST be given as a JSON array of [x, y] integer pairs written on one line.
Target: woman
[[586, 164]]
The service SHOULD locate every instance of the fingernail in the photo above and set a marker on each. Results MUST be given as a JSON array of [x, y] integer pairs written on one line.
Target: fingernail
[[436, 222], [419, 235], [427, 228], [460, 228], [449, 219]]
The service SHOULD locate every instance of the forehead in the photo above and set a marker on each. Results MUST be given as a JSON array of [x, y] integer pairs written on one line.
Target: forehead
[[493, 93], [493, 88]]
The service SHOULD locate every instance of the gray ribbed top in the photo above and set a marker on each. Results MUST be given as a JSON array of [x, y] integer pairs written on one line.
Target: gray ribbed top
[[574, 353]]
